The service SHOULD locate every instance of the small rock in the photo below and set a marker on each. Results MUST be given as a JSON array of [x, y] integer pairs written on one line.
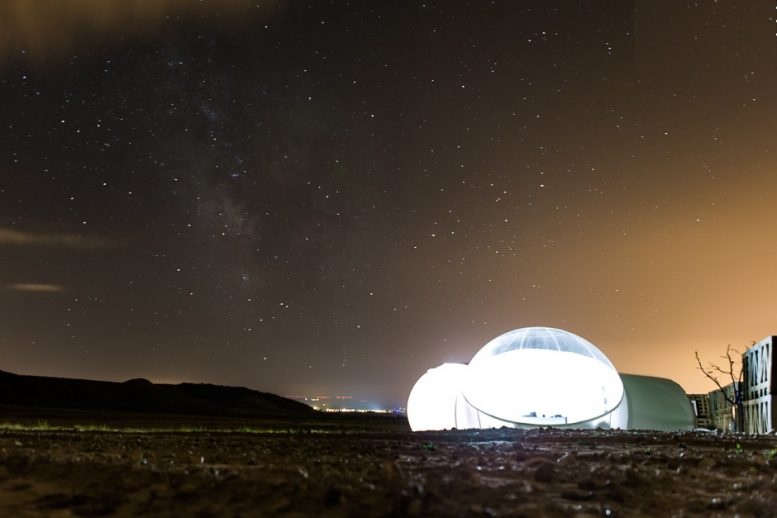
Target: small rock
[[415, 507], [390, 470], [187, 490], [633, 479], [20, 486], [576, 496], [279, 505], [333, 496], [545, 472], [158, 489], [717, 503], [565, 458]]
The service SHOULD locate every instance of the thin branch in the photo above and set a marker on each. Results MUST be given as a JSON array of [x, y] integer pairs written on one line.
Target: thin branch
[[707, 373], [713, 368], [730, 364]]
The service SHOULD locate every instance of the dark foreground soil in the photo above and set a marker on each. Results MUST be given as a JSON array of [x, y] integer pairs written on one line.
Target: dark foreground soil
[[350, 471]]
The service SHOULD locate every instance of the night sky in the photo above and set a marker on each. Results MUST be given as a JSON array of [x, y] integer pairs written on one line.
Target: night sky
[[331, 197]]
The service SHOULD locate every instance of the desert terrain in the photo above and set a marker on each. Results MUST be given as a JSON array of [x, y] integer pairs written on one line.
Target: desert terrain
[[371, 466]]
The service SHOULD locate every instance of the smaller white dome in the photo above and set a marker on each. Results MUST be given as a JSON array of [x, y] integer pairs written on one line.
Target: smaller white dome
[[432, 402]]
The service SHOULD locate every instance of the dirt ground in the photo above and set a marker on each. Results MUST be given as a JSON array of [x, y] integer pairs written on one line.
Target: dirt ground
[[352, 471]]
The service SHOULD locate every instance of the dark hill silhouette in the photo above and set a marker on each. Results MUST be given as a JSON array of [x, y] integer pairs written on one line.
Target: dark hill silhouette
[[140, 395]]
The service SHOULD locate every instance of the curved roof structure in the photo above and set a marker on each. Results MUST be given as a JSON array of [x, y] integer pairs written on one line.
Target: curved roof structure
[[656, 404], [544, 338]]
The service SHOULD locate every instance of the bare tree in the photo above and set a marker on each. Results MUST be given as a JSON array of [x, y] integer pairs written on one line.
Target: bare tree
[[735, 396]]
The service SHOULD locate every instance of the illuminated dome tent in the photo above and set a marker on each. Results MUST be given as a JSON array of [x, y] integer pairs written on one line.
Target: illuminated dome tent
[[541, 376], [433, 400]]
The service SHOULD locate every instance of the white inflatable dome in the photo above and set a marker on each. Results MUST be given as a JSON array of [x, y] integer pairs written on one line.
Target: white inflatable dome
[[432, 402], [541, 376]]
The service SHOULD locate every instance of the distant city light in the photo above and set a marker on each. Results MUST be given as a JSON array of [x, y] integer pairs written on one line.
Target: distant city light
[[345, 404]]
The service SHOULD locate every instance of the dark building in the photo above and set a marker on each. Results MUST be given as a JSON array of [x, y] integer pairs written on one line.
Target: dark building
[[758, 376], [722, 412], [701, 410]]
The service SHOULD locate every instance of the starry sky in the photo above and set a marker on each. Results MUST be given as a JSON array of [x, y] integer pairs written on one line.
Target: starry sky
[[315, 197]]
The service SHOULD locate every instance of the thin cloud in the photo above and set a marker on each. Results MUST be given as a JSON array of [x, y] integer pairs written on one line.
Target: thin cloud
[[39, 29], [36, 288], [13, 237]]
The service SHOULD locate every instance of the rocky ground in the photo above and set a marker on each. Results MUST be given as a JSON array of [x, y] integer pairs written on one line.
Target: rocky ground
[[369, 471]]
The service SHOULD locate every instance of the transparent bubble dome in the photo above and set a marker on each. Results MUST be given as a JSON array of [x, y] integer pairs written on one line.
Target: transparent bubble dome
[[542, 376], [544, 338]]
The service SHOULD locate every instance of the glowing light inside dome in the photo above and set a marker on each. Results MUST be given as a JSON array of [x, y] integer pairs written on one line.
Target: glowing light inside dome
[[535, 386]]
